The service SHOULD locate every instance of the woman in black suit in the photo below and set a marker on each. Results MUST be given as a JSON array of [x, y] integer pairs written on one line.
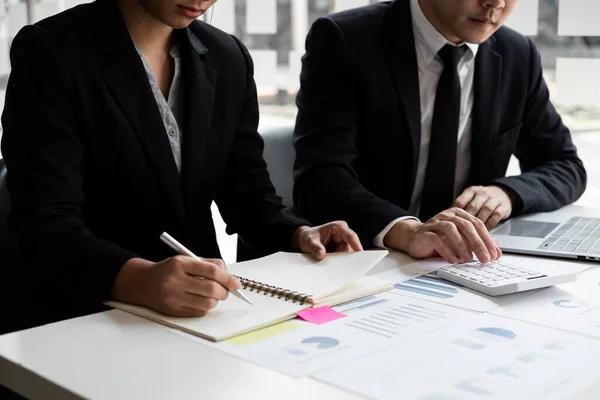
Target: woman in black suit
[[125, 119]]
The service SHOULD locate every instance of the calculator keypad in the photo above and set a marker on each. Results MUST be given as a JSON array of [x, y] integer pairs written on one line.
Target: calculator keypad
[[491, 274]]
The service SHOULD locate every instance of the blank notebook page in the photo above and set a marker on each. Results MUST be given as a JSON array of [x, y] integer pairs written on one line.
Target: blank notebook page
[[301, 273]]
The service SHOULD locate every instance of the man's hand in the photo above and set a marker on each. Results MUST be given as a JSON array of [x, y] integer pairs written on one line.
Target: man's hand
[[178, 286], [453, 234], [332, 237], [491, 204]]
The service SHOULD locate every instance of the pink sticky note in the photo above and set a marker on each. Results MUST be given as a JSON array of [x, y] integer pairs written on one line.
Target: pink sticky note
[[320, 315]]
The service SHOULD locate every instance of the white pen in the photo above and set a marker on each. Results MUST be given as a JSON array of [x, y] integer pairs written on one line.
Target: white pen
[[181, 249]]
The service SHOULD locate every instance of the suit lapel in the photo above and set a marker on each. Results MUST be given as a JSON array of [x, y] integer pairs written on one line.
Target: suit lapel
[[199, 97], [126, 78], [402, 58], [488, 75]]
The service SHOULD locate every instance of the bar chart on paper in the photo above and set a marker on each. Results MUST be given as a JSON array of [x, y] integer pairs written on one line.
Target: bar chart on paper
[[434, 289], [397, 319], [429, 285]]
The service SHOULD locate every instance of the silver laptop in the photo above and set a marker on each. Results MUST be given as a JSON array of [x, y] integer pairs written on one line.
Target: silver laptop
[[571, 232]]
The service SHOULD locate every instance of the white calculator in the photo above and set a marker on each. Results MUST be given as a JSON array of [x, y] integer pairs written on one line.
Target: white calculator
[[496, 278]]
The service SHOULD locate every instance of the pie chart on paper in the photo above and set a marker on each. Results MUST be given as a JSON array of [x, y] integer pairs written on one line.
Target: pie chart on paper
[[493, 335], [569, 303], [321, 342]]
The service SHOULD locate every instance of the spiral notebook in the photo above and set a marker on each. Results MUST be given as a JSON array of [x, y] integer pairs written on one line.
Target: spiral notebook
[[279, 285]]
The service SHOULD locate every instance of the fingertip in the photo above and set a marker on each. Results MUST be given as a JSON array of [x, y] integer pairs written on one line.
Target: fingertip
[[321, 253], [484, 257], [493, 253], [236, 284], [448, 255]]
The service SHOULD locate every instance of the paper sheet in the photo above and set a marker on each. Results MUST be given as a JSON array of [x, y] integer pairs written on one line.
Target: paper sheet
[[486, 357], [573, 307], [398, 267], [546, 265], [430, 287], [297, 348]]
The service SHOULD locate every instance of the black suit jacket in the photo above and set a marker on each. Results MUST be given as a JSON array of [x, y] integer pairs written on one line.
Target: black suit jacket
[[358, 129], [90, 169]]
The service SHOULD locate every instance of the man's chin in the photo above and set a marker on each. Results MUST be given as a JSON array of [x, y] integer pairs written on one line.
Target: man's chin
[[476, 38]]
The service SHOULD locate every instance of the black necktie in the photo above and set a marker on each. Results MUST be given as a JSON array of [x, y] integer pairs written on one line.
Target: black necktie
[[438, 191]]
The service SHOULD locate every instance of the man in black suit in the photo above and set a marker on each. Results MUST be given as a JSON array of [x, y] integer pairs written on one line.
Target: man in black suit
[[125, 119], [411, 107]]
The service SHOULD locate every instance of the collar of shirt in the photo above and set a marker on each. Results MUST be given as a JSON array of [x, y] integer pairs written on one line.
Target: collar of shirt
[[428, 40], [174, 52]]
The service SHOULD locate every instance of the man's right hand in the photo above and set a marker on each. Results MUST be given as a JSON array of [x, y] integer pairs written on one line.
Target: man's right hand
[[453, 234], [178, 286]]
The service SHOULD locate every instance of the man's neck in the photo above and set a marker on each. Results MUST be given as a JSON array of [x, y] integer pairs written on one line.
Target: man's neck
[[148, 32], [432, 14]]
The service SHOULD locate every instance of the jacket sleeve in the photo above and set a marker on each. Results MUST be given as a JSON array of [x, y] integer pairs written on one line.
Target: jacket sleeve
[[327, 186], [552, 173], [45, 163], [246, 197]]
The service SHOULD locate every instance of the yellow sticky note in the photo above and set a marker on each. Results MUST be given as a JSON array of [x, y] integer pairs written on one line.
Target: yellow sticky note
[[263, 333]]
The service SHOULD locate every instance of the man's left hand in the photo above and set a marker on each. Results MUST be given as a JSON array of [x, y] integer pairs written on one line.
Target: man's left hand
[[491, 204], [332, 237]]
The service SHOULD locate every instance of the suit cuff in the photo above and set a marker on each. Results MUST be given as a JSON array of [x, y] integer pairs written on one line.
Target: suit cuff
[[378, 241], [513, 186]]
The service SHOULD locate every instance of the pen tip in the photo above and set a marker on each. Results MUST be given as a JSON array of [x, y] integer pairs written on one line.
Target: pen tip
[[243, 297]]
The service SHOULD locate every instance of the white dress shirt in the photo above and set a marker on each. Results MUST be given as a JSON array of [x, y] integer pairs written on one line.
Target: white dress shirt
[[428, 42]]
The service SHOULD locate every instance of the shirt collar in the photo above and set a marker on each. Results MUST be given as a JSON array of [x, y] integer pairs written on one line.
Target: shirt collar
[[174, 52], [429, 40]]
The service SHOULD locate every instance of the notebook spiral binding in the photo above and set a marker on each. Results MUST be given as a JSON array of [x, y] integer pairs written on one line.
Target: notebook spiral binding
[[281, 293]]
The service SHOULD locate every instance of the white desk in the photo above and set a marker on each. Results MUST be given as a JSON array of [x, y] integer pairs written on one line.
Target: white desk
[[114, 355]]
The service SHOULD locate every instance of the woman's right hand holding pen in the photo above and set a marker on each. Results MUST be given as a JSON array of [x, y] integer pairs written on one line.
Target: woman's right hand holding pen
[[172, 286]]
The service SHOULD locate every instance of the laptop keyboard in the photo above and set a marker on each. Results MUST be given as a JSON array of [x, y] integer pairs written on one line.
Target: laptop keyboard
[[578, 235]]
